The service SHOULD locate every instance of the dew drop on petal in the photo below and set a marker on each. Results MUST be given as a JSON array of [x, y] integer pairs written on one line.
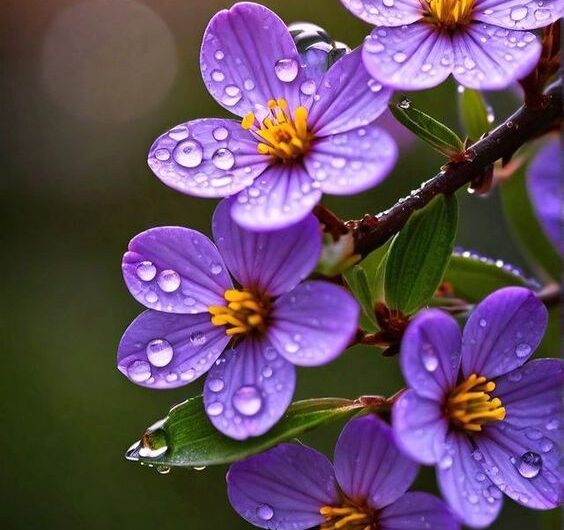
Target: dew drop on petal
[[530, 465], [169, 280], [197, 338], [188, 154], [216, 268], [220, 133], [247, 400], [522, 350], [223, 159], [215, 384], [265, 512], [179, 133], [286, 70], [146, 271], [429, 358], [139, 371], [308, 87], [162, 154], [159, 352], [399, 57], [214, 409], [483, 323]]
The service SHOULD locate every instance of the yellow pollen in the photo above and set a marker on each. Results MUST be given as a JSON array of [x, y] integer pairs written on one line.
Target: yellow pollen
[[469, 406], [279, 133], [345, 518], [244, 312], [449, 13]]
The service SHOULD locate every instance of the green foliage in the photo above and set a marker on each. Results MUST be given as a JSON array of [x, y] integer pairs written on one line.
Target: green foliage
[[419, 255], [475, 114], [191, 440]]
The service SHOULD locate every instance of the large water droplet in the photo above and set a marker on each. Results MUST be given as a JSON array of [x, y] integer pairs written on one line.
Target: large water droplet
[[169, 280], [159, 352], [247, 400], [188, 153], [286, 70], [223, 159], [308, 87], [522, 350], [146, 271], [139, 371], [220, 133], [214, 409], [518, 13], [265, 512], [530, 465]]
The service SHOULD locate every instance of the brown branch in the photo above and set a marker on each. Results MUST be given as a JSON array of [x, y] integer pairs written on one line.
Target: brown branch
[[526, 124]]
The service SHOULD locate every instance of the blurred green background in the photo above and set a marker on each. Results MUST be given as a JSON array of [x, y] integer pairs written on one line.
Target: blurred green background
[[86, 86]]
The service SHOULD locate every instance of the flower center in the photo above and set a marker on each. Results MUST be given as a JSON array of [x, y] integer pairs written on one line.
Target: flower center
[[449, 12], [347, 517], [470, 406], [280, 134], [245, 312]]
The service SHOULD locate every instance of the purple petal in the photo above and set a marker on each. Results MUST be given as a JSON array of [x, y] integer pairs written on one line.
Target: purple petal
[[417, 511], [524, 464], [282, 196], [249, 389], [283, 488], [430, 353], [275, 261], [176, 270], [314, 323], [207, 158], [369, 466], [490, 58], [531, 396], [161, 350], [502, 332], [464, 484], [410, 57], [518, 14], [543, 181], [385, 13], [348, 97], [248, 57], [352, 161], [419, 427]]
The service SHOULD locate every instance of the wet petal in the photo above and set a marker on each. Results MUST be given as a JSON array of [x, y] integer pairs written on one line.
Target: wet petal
[[419, 426], [518, 14], [347, 97], [464, 484], [176, 270], [417, 511], [314, 323], [207, 158], [430, 353], [248, 57], [162, 350], [368, 464], [410, 57], [276, 261], [283, 488], [502, 332], [282, 196], [492, 58], [249, 389], [524, 464], [543, 179], [385, 12], [352, 161]]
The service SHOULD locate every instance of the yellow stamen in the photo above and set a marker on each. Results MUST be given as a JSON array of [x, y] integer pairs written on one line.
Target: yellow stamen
[[346, 517], [470, 406], [280, 134], [449, 13], [245, 312]]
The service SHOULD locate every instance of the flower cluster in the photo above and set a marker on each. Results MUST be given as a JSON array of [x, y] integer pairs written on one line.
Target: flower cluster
[[247, 309]]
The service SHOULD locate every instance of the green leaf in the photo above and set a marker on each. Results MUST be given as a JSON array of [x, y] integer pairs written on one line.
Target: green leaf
[[419, 255], [474, 277], [525, 224], [187, 438], [475, 114], [436, 134]]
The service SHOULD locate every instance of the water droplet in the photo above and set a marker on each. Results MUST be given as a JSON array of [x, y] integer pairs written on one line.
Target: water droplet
[[483, 323], [163, 470], [218, 76], [286, 70], [446, 462], [169, 280], [404, 104], [199, 468], [151, 297], [232, 95], [248, 84], [223, 159], [214, 409], [179, 133], [216, 268], [162, 154], [429, 358], [219, 55], [159, 352], [220, 133], [522, 350], [247, 400], [388, 3], [265, 512], [188, 153], [530, 465], [308, 87], [139, 371], [266, 372], [215, 384], [292, 347], [399, 57], [146, 271], [197, 338]]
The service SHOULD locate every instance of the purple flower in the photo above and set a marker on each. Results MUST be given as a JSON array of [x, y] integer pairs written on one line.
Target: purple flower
[[293, 487], [484, 43], [269, 320], [546, 192], [488, 419], [304, 130]]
